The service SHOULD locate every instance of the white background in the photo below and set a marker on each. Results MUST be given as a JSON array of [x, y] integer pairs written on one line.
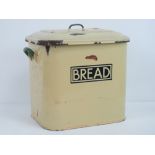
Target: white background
[[14, 77]]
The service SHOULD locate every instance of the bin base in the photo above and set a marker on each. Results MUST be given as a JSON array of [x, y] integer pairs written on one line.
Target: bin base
[[78, 126]]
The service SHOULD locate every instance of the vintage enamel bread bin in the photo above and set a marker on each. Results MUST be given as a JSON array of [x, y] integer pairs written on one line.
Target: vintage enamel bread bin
[[77, 77]]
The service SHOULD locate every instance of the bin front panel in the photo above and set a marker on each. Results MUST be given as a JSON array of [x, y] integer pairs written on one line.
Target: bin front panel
[[60, 101]]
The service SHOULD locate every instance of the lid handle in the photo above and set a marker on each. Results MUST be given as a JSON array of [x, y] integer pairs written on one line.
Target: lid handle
[[76, 25]]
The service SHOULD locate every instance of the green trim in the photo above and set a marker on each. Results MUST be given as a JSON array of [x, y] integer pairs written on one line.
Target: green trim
[[29, 52]]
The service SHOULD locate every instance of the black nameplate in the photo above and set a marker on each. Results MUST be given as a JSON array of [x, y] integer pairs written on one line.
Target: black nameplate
[[91, 73]]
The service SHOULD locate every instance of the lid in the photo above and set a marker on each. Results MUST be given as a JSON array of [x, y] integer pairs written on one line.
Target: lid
[[72, 36]]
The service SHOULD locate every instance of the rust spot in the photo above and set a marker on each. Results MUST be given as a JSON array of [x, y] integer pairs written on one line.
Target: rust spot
[[123, 41], [93, 57], [32, 42], [47, 49], [97, 42], [50, 42]]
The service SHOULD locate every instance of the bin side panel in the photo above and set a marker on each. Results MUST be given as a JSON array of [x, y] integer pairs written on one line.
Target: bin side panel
[[65, 105]]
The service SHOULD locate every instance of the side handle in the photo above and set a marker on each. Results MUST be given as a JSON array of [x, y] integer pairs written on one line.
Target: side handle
[[29, 52]]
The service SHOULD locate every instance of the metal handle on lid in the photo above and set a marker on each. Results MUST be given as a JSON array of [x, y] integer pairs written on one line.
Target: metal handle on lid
[[76, 25]]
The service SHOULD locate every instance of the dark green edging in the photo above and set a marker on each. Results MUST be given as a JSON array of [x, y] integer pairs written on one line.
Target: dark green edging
[[29, 52]]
